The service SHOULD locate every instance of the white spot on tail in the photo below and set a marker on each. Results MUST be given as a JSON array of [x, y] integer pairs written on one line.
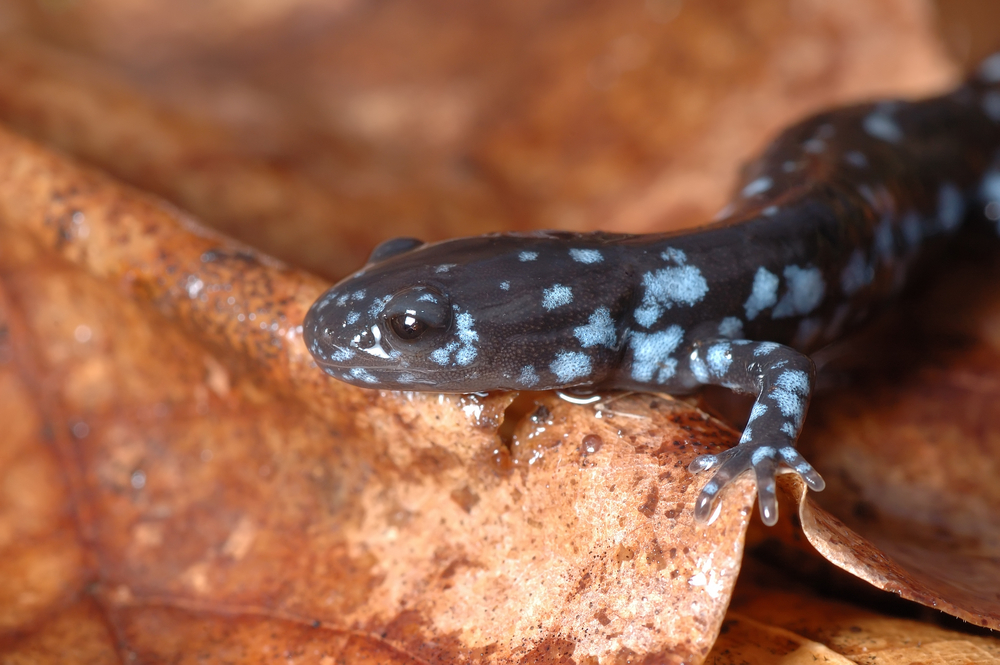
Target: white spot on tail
[[951, 207], [599, 331], [881, 125], [764, 293], [731, 327], [651, 354], [758, 186], [557, 296], [805, 292], [856, 159], [857, 274], [683, 285], [570, 365], [676, 255], [586, 255], [814, 146], [528, 377]]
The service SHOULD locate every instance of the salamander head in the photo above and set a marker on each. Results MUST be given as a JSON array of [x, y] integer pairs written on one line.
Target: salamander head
[[465, 315]]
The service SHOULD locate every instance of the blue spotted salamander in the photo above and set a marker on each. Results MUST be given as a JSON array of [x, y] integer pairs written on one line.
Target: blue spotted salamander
[[826, 225]]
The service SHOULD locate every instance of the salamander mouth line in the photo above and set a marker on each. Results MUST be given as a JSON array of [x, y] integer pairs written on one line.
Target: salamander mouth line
[[388, 369]]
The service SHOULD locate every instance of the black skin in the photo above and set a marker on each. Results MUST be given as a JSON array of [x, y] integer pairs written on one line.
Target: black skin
[[825, 229]]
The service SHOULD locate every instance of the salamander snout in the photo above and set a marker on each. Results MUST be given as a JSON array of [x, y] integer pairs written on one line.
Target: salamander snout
[[368, 338]]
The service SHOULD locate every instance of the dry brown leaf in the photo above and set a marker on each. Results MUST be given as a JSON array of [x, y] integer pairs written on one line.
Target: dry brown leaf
[[911, 454], [216, 473], [766, 625]]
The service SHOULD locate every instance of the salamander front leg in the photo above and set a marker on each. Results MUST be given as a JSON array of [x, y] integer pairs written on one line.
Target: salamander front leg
[[782, 378]]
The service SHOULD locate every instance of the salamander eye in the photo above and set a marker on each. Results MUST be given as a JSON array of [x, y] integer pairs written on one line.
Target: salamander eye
[[415, 313], [407, 326]]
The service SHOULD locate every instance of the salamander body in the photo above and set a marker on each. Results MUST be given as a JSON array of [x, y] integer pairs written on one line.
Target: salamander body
[[826, 226]]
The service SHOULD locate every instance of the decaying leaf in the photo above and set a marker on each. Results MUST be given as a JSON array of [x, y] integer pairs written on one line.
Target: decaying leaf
[[912, 453], [766, 625], [179, 482], [215, 471]]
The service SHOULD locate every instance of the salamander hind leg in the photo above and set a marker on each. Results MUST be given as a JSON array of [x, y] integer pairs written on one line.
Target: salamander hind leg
[[783, 379]]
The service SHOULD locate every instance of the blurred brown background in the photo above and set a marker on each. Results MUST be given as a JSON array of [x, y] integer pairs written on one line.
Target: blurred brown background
[[315, 128]]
